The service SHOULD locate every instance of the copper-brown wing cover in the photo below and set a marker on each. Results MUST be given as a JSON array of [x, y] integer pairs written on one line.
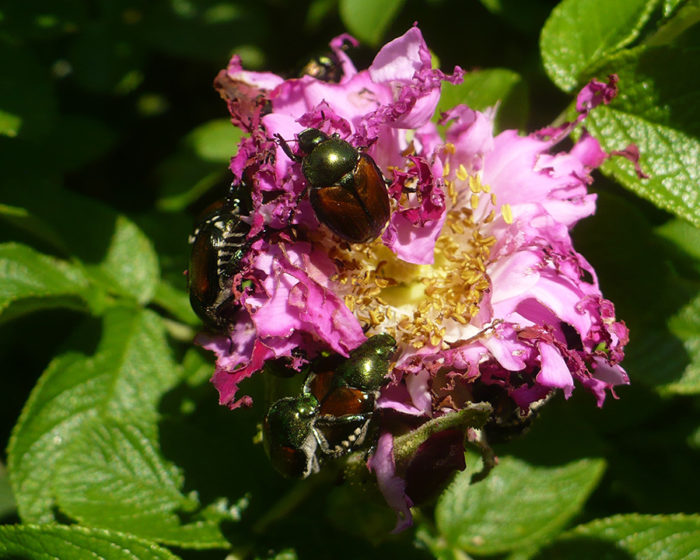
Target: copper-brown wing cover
[[338, 400], [357, 212]]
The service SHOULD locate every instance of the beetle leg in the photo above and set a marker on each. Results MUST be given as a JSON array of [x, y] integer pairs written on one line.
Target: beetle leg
[[306, 389], [309, 449], [292, 214], [320, 439], [354, 439]]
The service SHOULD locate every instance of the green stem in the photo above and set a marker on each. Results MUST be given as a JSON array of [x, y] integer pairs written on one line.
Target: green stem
[[475, 415]]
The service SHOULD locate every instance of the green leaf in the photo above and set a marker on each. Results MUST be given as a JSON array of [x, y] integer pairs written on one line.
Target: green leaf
[[368, 20], [482, 89], [516, 506], [10, 122], [176, 302], [359, 513], [7, 500], [685, 238], [318, 11], [30, 281], [642, 537], [215, 141], [199, 164], [118, 256], [23, 219], [668, 156], [183, 179], [286, 554], [671, 5], [681, 15], [130, 267], [694, 439], [581, 33], [686, 325], [112, 476], [197, 368], [123, 380], [50, 542], [658, 110]]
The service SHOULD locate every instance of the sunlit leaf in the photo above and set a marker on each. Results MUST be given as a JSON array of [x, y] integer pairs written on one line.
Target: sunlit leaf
[[123, 380], [77, 543], [517, 505], [580, 33], [642, 537]]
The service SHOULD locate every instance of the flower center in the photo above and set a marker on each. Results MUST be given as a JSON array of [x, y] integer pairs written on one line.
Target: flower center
[[421, 305]]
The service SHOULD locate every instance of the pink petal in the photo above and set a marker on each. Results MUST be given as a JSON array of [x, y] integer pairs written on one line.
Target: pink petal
[[401, 59], [554, 371], [392, 487], [410, 242]]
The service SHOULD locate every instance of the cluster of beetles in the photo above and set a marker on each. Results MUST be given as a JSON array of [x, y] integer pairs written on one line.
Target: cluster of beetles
[[348, 193], [333, 414]]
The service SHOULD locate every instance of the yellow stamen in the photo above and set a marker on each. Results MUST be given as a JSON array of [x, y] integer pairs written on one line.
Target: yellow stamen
[[417, 303], [507, 213], [462, 174]]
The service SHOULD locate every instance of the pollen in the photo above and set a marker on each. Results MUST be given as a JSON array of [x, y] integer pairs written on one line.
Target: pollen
[[474, 184], [507, 213], [420, 305], [462, 174]]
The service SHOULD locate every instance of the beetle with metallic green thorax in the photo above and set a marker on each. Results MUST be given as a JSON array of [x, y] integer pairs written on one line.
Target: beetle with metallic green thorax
[[346, 188], [333, 415], [327, 66], [289, 436], [324, 67]]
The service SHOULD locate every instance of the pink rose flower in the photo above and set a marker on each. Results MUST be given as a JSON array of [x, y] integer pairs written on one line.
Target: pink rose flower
[[475, 274]]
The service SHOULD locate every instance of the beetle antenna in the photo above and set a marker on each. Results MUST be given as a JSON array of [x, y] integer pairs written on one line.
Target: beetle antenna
[[285, 148]]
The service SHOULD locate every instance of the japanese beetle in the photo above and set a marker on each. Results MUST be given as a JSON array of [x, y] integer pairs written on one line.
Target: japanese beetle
[[325, 67], [508, 420], [356, 380], [290, 438], [219, 244], [350, 393], [333, 415], [346, 188], [297, 437]]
